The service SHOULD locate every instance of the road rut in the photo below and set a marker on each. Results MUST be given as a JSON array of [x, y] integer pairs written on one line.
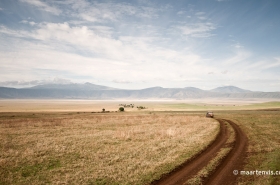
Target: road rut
[[224, 172]]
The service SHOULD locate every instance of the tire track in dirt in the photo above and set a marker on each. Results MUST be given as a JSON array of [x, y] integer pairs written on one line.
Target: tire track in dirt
[[233, 161], [223, 174], [192, 166]]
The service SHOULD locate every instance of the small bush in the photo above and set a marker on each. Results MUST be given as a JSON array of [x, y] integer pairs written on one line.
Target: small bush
[[141, 107], [121, 109]]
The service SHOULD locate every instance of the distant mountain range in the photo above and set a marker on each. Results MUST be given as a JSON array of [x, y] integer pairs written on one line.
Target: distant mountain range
[[229, 89], [92, 91], [73, 86]]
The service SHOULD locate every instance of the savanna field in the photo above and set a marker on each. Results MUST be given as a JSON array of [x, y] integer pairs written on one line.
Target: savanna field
[[131, 147], [87, 148]]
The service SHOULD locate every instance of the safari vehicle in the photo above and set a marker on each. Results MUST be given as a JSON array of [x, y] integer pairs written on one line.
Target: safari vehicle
[[210, 115]]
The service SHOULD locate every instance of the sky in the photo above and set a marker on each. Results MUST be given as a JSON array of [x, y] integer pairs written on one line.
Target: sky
[[138, 44]]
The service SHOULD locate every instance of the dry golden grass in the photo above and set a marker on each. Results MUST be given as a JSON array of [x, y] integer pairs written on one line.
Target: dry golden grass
[[85, 148]]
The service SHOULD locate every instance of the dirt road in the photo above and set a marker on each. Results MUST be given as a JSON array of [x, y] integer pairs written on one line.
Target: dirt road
[[223, 174], [233, 161]]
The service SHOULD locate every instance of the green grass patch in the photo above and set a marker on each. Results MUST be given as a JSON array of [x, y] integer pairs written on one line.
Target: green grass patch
[[272, 162], [28, 170]]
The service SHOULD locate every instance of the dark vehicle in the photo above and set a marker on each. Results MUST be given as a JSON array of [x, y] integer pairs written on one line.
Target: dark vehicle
[[210, 115]]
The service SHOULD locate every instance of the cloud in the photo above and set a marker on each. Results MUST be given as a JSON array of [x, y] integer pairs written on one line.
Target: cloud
[[14, 33], [224, 72], [111, 12], [181, 12], [122, 81], [32, 23], [275, 84], [199, 13], [237, 45], [124, 51], [244, 64], [202, 18], [240, 56], [81, 37], [34, 82], [108, 41], [271, 64], [278, 61], [43, 6], [197, 29], [28, 22], [138, 63], [104, 31], [102, 51]]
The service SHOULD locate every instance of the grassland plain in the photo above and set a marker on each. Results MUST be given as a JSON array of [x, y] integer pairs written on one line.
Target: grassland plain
[[95, 148], [35, 146], [263, 130], [220, 106], [112, 105]]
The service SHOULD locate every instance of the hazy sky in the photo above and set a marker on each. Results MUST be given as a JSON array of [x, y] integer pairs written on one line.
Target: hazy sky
[[139, 44]]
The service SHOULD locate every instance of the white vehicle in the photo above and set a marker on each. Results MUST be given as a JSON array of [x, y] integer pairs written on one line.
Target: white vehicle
[[210, 115]]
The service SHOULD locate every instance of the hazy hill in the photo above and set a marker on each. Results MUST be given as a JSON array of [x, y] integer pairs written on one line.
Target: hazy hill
[[73, 86], [229, 89], [92, 91]]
